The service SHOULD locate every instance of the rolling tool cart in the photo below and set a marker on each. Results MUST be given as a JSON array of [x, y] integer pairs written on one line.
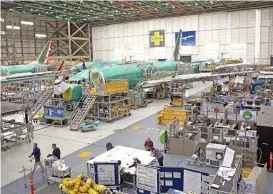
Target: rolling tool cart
[[56, 170]]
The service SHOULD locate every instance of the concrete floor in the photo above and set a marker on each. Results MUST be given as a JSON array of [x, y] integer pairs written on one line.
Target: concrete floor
[[72, 144]]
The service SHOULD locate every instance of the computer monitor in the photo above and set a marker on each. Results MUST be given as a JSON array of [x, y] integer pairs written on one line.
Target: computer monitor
[[241, 133], [231, 132], [249, 102], [258, 102], [250, 134]]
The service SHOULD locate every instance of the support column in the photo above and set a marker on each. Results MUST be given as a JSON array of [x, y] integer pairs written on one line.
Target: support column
[[228, 31], [69, 40], [258, 37]]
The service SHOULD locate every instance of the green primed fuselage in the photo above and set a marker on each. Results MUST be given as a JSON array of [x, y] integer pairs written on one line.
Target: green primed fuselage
[[134, 73]]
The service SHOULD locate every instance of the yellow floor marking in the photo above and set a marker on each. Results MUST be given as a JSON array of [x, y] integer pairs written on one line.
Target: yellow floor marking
[[136, 127], [115, 129], [100, 135], [84, 154]]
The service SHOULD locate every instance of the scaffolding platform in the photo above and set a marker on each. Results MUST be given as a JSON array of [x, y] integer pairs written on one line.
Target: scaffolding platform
[[112, 101], [10, 108]]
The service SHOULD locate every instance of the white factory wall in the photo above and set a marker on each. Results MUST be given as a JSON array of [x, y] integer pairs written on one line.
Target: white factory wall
[[242, 34]]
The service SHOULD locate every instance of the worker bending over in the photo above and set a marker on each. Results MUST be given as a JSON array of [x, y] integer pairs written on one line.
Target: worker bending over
[[37, 156], [55, 152], [158, 155], [136, 161], [148, 144]]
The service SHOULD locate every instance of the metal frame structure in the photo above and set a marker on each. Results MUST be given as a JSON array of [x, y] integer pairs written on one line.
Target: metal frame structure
[[71, 41], [13, 132], [115, 11], [111, 107], [245, 145]]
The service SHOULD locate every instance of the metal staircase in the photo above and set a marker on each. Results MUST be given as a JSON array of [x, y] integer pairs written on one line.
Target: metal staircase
[[79, 114], [39, 101]]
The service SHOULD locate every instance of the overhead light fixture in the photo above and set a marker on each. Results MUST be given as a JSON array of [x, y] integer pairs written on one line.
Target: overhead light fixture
[[196, 4], [111, 1], [155, 8], [105, 8], [3, 32], [77, 12], [27, 23], [39, 14], [13, 27], [116, 11], [64, 4], [51, 12], [2, 19], [211, 2], [46, 12], [173, 7], [40, 35], [50, 7]]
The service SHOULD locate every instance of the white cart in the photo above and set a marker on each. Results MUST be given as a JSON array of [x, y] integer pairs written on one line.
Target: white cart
[[56, 174]]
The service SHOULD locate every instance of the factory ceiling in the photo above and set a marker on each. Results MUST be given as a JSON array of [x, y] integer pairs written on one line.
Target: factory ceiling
[[110, 12]]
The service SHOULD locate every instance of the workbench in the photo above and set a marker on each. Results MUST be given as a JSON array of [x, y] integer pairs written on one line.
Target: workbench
[[125, 155]]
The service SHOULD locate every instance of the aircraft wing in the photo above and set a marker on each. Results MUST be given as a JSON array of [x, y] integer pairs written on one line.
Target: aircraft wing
[[228, 65], [188, 78], [266, 72], [33, 76], [267, 76]]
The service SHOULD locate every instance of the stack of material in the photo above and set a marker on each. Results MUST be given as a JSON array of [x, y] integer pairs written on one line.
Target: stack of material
[[82, 185]]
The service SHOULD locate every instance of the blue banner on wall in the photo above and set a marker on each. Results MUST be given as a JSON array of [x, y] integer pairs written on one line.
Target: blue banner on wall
[[188, 38], [54, 111]]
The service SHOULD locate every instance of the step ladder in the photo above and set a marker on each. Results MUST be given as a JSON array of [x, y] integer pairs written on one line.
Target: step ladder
[[38, 102], [79, 114], [75, 111]]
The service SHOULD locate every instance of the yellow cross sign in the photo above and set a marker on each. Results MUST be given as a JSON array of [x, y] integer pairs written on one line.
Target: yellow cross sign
[[157, 38]]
